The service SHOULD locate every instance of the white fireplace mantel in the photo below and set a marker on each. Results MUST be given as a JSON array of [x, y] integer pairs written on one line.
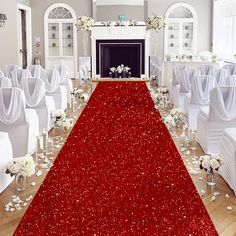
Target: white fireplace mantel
[[119, 33]]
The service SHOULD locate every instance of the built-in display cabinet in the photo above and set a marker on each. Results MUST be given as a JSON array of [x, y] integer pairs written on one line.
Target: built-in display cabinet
[[60, 37], [181, 30]]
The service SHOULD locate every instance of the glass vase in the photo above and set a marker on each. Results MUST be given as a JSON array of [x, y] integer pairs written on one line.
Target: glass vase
[[211, 179], [85, 42], [154, 40], [20, 182]]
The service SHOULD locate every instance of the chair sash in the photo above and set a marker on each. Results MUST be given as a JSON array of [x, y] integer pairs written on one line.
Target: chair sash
[[36, 71], [206, 69], [185, 82], [223, 103], [51, 79], [201, 86], [5, 82], [34, 89], [9, 69], [18, 75], [177, 74], [10, 114], [63, 71]]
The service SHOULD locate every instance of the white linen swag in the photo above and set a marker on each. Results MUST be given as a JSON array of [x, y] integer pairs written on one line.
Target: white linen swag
[[16, 103], [36, 71], [34, 90], [206, 69], [18, 75], [1, 74], [51, 79], [223, 103], [201, 86], [185, 82], [63, 71], [9, 69], [5, 82]]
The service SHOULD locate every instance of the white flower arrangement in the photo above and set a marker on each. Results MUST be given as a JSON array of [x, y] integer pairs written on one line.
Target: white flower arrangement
[[84, 23], [121, 68], [106, 23], [175, 116], [24, 166], [155, 22], [76, 91], [214, 57], [84, 96], [58, 115], [210, 164], [67, 123]]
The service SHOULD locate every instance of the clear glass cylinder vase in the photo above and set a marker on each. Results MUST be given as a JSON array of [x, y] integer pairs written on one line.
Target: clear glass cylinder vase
[[85, 42], [210, 179], [154, 40], [20, 182]]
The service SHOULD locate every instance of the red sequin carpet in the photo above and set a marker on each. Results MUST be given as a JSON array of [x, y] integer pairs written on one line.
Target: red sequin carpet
[[119, 173]]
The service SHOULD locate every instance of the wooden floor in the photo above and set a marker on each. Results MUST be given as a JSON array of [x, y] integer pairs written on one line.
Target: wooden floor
[[223, 219]]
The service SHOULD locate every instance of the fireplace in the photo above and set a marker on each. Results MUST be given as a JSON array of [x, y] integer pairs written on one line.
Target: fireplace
[[112, 53], [113, 46]]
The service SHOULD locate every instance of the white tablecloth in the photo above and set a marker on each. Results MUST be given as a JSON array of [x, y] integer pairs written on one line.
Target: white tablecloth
[[5, 156], [167, 71]]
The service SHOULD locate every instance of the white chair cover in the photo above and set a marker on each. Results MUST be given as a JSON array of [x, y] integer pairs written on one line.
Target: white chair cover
[[1, 74], [9, 68], [201, 87], [6, 156], [11, 109], [230, 69], [36, 71], [219, 75], [206, 69], [5, 82], [34, 89], [18, 75], [63, 71], [51, 79], [230, 80], [222, 104], [186, 80], [177, 74]]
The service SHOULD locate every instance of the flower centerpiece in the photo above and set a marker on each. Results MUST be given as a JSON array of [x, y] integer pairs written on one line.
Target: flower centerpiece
[[85, 24], [175, 118], [120, 71], [58, 115], [210, 164], [21, 167]]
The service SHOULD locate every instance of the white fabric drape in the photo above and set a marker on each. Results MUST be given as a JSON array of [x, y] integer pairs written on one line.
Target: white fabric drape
[[16, 100], [18, 75], [206, 69], [223, 103], [185, 82], [177, 74], [1, 74], [34, 90], [230, 69], [5, 82], [63, 71], [36, 71], [201, 86], [9, 69], [51, 79], [231, 80]]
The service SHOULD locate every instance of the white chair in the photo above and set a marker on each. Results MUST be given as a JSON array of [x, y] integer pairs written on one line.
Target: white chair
[[184, 87], [177, 75], [54, 89], [35, 96], [36, 71], [17, 75], [6, 156], [21, 124], [228, 154], [213, 119], [219, 75], [64, 79], [230, 69], [199, 97], [230, 80], [9, 68], [1, 74], [5, 82], [206, 69]]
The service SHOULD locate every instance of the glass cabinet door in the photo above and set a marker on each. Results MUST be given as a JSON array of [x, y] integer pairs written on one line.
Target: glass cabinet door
[[67, 39], [187, 37], [173, 37], [53, 39]]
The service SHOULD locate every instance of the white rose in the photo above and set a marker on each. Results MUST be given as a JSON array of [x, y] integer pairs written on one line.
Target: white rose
[[214, 164], [206, 164]]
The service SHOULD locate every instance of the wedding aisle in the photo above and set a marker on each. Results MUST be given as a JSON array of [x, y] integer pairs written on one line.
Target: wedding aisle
[[119, 173]]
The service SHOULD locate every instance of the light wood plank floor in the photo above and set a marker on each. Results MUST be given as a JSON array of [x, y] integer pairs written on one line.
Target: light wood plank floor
[[224, 220]]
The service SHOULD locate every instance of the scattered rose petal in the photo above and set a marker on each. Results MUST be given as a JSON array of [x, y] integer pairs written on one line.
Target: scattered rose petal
[[216, 193], [39, 173], [213, 198], [227, 195], [203, 192], [33, 184], [29, 198], [200, 178], [229, 208]]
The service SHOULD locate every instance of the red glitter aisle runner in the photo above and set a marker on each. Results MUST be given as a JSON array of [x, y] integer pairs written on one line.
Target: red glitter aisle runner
[[119, 173]]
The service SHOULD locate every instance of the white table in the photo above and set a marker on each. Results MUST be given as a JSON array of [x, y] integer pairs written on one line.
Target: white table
[[167, 70]]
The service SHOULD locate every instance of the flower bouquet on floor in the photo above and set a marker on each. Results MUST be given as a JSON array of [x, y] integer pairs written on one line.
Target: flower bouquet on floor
[[21, 167], [176, 118], [60, 120], [210, 164], [120, 71]]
